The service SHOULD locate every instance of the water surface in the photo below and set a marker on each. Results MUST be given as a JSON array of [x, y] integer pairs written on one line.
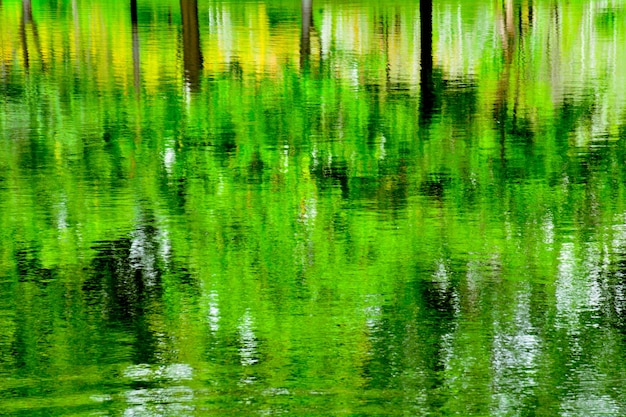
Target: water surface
[[315, 208]]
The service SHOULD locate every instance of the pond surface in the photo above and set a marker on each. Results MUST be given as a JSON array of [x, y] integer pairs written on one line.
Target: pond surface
[[326, 208]]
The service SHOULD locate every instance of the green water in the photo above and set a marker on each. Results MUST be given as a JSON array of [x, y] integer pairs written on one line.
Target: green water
[[336, 208]]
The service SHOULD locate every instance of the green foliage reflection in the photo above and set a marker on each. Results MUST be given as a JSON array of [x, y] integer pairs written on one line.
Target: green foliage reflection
[[327, 208]]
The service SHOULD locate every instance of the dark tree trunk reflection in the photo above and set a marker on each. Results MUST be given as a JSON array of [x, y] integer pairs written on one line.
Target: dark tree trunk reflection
[[192, 56], [26, 10], [136, 61], [427, 87], [28, 21], [305, 34]]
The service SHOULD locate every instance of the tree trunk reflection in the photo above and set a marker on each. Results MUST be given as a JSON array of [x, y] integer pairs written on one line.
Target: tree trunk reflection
[[427, 92], [136, 60], [192, 56], [305, 34], [27, 21]]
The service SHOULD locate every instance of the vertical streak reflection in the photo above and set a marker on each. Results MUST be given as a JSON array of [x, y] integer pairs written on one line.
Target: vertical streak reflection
[[305, 34], [135, 34], [27, 17], [192, 55], [427, 88]]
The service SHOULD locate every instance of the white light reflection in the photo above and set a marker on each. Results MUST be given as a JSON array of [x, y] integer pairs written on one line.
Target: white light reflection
[[142, 257], [577, 286], [516, 348], [62, 223], [441, 275], [163, 401], [587, 399], [373, 312], [568, 289], [247, 340], [159, 402], [548, 230], [213, 316], [169, 159], [172, 372], [165, 245]]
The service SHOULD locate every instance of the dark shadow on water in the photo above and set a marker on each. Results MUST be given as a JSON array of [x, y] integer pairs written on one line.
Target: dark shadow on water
[[30, 269], [125, 286], [255, 171], [332, 175], [408, 353], [435, 185], [459, 100]]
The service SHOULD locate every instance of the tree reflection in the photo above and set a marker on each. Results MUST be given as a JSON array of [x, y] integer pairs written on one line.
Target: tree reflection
[[427, 87], [136, 56], [192, 55], [28, 22], [513, 125], [296, 198], [305, 33]]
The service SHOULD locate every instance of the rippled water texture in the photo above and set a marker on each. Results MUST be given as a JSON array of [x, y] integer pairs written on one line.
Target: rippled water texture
[[315, 208]]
